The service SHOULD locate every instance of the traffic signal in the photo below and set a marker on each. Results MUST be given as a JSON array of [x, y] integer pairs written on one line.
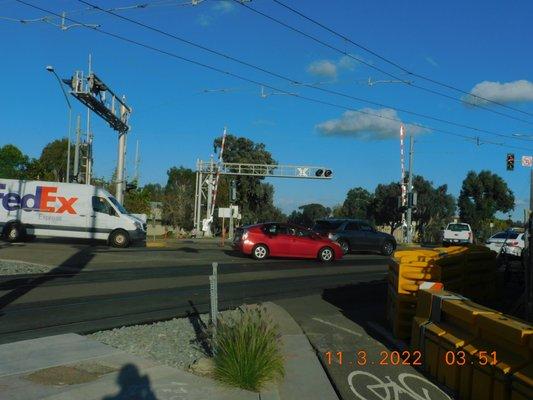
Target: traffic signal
[[326, 173], [510, 162]]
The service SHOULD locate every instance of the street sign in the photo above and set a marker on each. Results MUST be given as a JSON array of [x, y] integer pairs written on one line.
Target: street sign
[[527, 161]]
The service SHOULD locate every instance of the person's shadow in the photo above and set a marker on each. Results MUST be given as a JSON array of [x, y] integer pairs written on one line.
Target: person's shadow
[[133, 386]]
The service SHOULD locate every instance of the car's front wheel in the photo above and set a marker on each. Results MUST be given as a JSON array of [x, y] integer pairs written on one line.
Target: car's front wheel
[[388, 248], [344, 246], [326, 254], [260, 252]]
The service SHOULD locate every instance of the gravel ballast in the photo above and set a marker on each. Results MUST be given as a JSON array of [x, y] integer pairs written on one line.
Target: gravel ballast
[[174, 343], [9, 267]]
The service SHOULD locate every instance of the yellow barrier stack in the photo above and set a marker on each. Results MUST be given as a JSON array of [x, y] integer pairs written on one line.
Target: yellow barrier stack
[[469, 270], [476, 351]]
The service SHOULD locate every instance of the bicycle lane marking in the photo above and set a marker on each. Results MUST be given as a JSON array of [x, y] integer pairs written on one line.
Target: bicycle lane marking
[[367, 386]]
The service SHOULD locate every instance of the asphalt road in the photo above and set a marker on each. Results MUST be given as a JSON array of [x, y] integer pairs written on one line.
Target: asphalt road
[[95, 287]]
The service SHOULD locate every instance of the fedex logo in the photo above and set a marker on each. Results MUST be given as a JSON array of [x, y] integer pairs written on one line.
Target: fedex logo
[[44, 200]]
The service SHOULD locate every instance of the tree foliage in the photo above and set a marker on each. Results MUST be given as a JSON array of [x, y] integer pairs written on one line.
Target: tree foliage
[[137, 201], [357, 204], [384, 207], [178, 198], [309, 214], [255, 198], [435, 207], [13, 163], [482, 196]]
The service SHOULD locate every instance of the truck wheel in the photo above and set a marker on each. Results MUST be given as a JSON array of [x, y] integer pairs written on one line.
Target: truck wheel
[[119, 238], [260, 252], [326, 254], [14, 232], [388, 248]]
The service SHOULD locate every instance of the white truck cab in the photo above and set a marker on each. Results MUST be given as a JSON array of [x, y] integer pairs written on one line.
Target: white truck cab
[[66, 210]]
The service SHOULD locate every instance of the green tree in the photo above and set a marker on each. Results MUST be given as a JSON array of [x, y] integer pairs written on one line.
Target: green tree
[[53, 160], [357, 204], [435, 207], [137, 201], [482, 196], [309, 214], [13, 163], [155, 191], [178, 198], [255, 198], [384, 207]]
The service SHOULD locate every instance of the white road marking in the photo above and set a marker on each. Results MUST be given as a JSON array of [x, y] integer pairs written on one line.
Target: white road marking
[[337, 326]]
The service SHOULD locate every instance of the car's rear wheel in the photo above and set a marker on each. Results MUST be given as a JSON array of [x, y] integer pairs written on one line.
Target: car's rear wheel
[[326, 254], [260, 252], [345, 246], [14, 232], [388, 248]]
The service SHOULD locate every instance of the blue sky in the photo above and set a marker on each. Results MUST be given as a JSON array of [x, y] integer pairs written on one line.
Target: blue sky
[[176, 121]]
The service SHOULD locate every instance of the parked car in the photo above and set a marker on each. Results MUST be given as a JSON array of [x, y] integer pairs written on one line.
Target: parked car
[[284, 240], [509, 242], [356, 235], [457, 233]]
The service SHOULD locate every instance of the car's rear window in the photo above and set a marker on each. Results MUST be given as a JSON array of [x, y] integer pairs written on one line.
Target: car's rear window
[[503, 235], [458, 227], [327, 225]]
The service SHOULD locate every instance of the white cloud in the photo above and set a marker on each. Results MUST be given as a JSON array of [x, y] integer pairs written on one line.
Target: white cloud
[[329, 68], [204, 20], [431, 61], [510, 92], [346, 62], [224, 6], [323, 68], [368, 124]]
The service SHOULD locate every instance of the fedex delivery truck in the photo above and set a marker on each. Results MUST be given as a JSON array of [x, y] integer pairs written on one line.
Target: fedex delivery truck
[[67, 210]]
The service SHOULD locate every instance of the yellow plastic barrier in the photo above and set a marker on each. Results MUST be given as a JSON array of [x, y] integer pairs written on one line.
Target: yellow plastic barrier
[[478, 352]]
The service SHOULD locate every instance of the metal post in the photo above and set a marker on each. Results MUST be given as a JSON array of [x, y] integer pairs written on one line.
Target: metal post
[[68, 144], [410, 192], [230, 233], [213, 286], [207, 233], [89, 159], [77, 149], [528, 281], [120, 167]]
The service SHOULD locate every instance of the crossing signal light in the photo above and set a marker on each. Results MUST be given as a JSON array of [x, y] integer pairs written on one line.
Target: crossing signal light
[[510, 162], [321, 172]]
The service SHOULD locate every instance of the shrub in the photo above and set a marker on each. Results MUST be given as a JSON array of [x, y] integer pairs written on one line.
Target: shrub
[[247, 350]]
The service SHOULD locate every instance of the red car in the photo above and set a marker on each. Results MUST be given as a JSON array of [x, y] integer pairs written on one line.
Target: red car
[[284, 240]]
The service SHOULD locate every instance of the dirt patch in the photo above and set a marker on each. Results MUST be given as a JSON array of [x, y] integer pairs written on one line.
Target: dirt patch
[[64, 375]]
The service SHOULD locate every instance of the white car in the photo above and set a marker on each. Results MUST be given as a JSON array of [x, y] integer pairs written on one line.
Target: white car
[[457, 233], [512, 242]]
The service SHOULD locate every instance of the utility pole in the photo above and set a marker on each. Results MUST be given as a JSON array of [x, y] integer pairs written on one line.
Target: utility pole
[[89, 159], [77, 149], [410, 197], [121, 184], [137, 164]]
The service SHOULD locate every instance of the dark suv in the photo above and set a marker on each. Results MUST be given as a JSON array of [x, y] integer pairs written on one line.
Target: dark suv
[[356, 235]]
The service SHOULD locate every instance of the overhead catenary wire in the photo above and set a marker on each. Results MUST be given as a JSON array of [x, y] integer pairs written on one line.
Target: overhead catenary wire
[[258, 83], [381, 70], [395, 64], [295, 81]]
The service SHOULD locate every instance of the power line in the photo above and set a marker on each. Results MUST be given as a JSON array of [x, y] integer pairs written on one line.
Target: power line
[[240, 77], [370, 65], [289, 79], [394, 64]]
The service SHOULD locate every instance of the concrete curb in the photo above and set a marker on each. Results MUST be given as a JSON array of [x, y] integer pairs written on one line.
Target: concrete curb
[[305, 377]]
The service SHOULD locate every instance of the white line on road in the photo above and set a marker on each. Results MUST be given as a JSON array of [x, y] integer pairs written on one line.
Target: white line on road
[[337, 326]]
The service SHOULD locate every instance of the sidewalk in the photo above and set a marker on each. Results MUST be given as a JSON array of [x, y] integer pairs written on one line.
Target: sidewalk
[[72, 367]]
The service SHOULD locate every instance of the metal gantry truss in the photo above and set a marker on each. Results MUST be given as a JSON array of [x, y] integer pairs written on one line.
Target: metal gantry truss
[[205, 181]]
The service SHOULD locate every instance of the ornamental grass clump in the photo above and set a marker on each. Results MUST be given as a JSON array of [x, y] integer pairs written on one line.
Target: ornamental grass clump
[[248, 350]]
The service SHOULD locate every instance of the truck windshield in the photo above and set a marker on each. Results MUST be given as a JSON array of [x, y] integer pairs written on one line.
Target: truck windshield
[[458, 227], [119, 206]]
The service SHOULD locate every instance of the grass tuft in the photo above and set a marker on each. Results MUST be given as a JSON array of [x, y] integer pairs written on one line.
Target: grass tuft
[[247, 350]]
